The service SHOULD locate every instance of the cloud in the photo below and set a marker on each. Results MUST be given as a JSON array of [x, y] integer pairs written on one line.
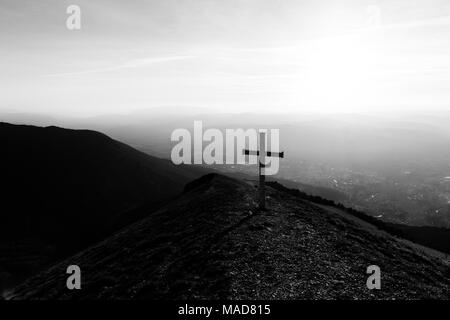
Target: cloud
[[137, 63]]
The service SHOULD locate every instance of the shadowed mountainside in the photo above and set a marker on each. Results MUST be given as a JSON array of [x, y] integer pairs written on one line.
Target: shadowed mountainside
[[212, 243], [65, 189]]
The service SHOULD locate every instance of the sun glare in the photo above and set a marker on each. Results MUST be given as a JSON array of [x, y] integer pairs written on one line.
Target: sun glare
[[339, 74]]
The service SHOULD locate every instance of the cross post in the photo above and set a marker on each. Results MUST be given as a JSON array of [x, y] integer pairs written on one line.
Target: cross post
[[262, 176], [261, 153]]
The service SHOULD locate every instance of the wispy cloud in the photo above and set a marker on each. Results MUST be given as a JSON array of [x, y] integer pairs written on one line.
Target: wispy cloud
[[137, 63]]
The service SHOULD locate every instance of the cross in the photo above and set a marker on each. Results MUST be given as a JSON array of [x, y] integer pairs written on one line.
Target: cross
[[262, 160]]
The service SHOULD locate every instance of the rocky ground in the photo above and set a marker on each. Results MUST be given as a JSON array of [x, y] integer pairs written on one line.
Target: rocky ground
[[212, 243]]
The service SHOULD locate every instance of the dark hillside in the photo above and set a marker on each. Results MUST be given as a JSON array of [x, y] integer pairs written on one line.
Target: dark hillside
[[64, 189], [212, 243]]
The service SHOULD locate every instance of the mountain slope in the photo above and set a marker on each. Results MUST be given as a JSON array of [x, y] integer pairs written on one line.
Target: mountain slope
[[64, 189], [212, 243]]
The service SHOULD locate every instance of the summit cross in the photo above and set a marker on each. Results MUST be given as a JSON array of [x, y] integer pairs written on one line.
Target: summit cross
[[261, 154]]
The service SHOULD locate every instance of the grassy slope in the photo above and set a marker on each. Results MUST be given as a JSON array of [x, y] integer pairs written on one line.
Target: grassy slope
[[213, 243], [62, 190], [433, 237]]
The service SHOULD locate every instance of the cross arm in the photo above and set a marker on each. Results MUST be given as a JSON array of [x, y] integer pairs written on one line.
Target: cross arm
[[275, 154], [251, 152], [268, 153]]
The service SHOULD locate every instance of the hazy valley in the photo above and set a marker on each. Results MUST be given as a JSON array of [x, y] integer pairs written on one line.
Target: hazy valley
[[394, 166]]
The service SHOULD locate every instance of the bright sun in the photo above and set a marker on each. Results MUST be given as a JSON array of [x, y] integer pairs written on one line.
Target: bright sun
[[339, 74]]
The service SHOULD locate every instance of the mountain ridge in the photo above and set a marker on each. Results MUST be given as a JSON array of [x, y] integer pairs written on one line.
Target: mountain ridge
[[213, 243], [64, 189]]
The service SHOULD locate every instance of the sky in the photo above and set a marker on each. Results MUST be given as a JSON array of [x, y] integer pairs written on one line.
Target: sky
[[262, 56]]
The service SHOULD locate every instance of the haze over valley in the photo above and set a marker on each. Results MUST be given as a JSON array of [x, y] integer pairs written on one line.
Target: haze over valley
[[394, 166]]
